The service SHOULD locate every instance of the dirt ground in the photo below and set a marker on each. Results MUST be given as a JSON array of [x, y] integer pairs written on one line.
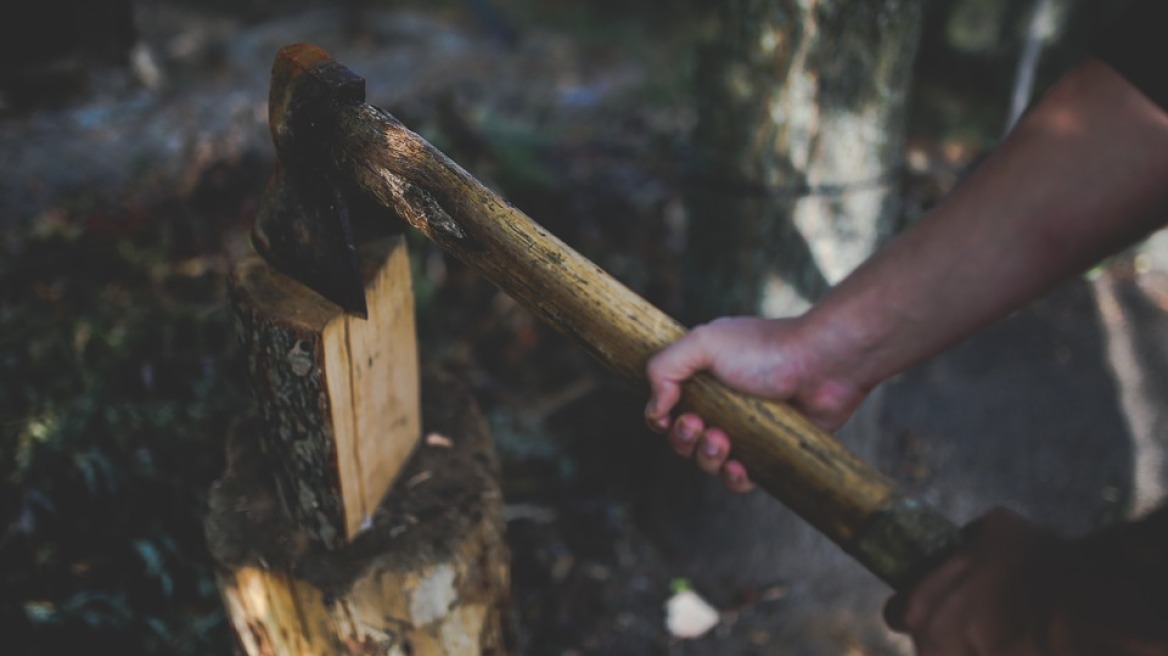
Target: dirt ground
[[1055, 412]]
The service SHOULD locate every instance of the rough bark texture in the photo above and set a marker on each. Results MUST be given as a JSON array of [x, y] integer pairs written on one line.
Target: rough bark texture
[[801, 114], [337, 395], [430, 576]]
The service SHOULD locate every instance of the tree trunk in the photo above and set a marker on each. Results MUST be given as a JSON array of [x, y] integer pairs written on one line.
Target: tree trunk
[[798, 149], [797, 158]]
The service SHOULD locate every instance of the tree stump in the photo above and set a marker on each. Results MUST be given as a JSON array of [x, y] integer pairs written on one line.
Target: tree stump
[[313, 555], [430, 577]]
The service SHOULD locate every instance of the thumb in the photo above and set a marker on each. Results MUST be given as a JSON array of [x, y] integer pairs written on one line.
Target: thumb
[[666, 371], [664, 396]]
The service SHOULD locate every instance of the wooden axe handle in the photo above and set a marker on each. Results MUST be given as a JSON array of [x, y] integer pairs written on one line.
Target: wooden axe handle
[[896, 537]]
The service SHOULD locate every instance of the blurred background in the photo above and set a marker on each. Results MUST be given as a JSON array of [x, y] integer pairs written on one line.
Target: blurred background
[[133, 149]]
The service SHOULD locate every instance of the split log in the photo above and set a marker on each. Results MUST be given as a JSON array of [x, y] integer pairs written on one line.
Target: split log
[[429, 578], [337, 394]]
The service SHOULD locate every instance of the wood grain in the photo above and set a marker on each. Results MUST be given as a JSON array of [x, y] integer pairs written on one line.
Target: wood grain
[[799, 464], [338, 395]]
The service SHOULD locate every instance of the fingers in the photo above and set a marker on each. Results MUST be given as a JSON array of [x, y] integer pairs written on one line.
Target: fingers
[[685, 433], [713, 451], [666, 372], [735, 478], [910, 610], [985, 599], [710, 449], [688, 435], [664, 396]]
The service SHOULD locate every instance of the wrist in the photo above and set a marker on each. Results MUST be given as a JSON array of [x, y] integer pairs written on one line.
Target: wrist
[[844, 348]]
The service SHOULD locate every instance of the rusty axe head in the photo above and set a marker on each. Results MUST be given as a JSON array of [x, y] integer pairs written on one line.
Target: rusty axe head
[[304, 226]]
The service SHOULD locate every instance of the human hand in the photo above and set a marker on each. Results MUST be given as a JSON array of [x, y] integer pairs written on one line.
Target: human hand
[[1017, 590], [994, 597], [780, 359]]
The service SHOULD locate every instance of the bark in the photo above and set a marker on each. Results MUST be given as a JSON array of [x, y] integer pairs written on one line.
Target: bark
[[798, 149], [337, 395], [430, 577]]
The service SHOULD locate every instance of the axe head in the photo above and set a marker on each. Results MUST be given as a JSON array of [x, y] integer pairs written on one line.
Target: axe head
[[304, 226]]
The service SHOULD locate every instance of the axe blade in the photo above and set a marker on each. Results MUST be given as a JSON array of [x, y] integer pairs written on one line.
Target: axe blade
[[303, 230], [304, 225]]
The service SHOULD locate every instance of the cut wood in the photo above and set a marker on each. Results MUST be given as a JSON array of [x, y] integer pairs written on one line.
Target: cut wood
[[429, 578], [337, 395]]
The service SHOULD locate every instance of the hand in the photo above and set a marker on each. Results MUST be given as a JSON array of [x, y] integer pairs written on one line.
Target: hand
[[992, 598], [1018, 591], [771, 358]]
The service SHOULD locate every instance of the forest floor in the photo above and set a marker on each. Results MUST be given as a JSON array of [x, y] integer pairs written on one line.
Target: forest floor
[[122, 215]]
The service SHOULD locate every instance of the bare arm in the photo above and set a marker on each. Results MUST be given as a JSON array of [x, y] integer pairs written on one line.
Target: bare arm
[[1084, 174]]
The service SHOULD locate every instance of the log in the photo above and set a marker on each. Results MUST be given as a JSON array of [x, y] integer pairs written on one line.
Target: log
[[430, 577], [337, 395]]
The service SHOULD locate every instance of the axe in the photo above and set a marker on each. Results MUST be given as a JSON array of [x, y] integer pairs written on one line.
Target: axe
[[340, 158]]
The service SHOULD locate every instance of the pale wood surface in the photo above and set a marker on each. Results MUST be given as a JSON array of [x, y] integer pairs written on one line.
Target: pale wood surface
[[371, 369], [338, 395]]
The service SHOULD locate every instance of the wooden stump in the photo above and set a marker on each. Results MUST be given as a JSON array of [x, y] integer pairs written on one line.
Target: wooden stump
[[337, 394], [429, 578], [313, 556]]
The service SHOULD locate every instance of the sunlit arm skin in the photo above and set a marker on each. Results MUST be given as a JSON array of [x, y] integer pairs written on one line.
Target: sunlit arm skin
[[1083, 175]]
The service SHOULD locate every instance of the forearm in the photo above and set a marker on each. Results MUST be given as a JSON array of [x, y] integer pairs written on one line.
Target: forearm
[[1083, 175]]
